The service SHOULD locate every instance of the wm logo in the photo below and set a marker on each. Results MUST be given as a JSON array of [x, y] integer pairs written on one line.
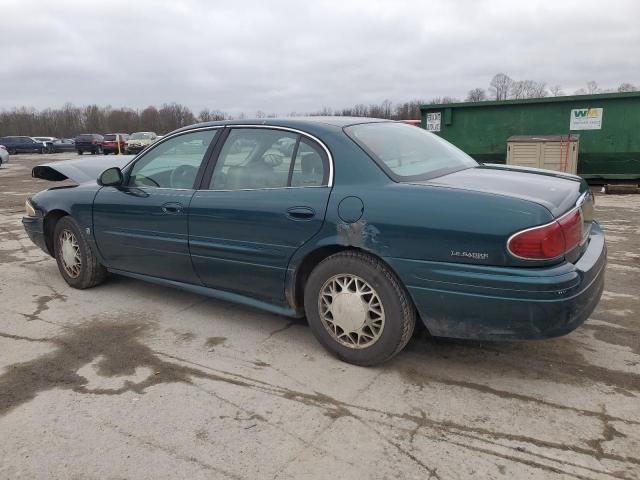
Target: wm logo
[[585, 113]]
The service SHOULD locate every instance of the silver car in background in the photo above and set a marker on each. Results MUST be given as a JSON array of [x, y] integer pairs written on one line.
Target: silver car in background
[[4, 155]]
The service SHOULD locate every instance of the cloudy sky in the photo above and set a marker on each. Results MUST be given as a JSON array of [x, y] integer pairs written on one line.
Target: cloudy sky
[[282, 56]]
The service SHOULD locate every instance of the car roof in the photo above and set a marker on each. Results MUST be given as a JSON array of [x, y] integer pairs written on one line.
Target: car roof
[[315, 123], [297, 121]]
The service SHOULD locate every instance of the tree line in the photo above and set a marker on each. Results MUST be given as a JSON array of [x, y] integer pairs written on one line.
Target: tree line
[[70, 120], [503, 87]]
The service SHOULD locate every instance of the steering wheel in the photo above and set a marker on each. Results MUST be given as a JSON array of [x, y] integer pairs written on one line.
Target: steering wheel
[[183, 176]]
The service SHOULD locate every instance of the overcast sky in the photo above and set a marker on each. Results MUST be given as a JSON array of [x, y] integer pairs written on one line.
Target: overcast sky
[[285, 56]]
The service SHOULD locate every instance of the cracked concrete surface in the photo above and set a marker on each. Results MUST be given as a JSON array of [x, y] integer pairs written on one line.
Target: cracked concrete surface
[[132, 380]]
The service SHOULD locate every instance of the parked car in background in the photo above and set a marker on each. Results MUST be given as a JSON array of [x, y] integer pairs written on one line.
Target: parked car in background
[[63, 145], [48, 141], [111, 141], [138, 141], [89, 142], [365, 226], [4, 154], [20, 144]]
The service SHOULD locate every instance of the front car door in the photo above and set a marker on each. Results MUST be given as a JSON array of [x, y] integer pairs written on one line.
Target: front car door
[[142, 227], [266, 196]]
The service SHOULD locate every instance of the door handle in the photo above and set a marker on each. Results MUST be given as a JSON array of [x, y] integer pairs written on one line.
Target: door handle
[[172, 208], [301, 213]]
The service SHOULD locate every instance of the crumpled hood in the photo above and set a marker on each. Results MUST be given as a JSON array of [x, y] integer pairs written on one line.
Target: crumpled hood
[[80, 170]]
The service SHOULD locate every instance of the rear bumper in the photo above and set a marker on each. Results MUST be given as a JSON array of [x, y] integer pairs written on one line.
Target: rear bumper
[[481, 302], [35, 230]]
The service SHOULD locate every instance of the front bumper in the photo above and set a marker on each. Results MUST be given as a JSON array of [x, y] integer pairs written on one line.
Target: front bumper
[[35, 230], [133, 149], [482, 302]]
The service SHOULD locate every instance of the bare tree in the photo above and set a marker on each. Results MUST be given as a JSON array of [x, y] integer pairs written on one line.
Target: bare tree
[[534, 89], [592, 87], [500, 86], [476, 95], [556, 91], [443, 100], [627, 87], [517, 90]]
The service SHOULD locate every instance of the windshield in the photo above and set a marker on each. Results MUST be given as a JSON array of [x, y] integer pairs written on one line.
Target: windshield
[[407, 152], [142, 136]]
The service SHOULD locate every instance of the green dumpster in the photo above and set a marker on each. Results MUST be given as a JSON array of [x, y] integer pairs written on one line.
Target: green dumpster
[[608, 125]]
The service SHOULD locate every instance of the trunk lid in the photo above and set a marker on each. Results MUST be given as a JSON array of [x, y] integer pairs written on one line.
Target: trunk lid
[[558, 192]]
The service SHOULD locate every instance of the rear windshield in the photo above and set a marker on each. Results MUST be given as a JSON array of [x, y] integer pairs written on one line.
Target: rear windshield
[[85, 137], [109, 137], [407, 152]]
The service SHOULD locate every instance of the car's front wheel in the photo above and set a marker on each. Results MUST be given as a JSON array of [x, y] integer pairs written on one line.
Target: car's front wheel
[[80, 152], [357, 308], [76, 259]]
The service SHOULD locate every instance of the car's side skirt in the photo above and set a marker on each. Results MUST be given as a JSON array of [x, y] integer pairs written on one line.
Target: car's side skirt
[[213, 293]]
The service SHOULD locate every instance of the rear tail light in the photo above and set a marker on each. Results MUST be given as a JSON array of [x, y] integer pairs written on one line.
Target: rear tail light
[[548, 241]]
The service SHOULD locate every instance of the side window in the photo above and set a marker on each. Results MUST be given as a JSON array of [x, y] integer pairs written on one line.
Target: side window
[[310, 169], [174, 163], [253, 158]]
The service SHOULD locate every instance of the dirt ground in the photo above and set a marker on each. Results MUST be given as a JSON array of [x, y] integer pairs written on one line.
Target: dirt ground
[[133, 380]]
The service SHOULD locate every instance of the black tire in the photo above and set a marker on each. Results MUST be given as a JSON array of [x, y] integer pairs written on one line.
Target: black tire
[[12, 151], [400, 316], [104, 152], [91, 272], [80, 152], [43, 150]]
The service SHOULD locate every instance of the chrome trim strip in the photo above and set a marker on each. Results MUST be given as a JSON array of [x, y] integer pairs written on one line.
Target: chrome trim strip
[[234, 190], [537, 228], [582, 198]]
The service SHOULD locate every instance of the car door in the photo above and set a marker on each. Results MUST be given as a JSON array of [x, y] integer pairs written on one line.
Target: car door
[[265, 196], [23, 145], [32, 145], [141, 227]]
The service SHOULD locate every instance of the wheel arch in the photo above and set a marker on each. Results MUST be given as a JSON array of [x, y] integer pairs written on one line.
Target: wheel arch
[[49, 227], [300, 274]]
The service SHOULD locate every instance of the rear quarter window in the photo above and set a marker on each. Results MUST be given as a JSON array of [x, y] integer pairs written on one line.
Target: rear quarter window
[[406, 152]]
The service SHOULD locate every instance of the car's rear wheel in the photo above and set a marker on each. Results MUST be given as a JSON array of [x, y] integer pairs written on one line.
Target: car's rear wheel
[[12, 151], [357, 309], [80, 152], [76, 260]]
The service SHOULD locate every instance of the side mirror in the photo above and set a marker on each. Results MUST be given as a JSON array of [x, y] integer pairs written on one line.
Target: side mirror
[[111, 177]]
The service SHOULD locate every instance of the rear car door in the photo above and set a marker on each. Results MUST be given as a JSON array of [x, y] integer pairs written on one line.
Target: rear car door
[[142, 227], [265, 195]]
